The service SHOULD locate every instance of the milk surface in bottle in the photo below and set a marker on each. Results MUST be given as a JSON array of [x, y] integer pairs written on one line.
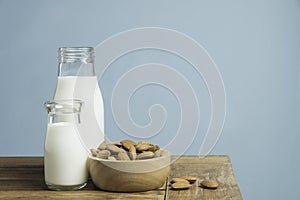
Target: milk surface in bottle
[[77, 80]]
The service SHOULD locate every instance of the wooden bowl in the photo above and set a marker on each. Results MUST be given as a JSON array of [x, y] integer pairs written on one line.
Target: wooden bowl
[[129, 176]]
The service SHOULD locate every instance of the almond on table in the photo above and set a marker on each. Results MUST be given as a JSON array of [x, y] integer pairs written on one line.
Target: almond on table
[[181, 186], [176, 180], [190, 179], [183, 182], [209, 184]]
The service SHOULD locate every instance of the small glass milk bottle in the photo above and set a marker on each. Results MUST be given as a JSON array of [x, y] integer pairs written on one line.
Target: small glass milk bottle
[[65, 157]]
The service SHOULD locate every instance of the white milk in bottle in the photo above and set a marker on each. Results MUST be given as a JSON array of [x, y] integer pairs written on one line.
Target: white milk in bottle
[[77, 80], [65, 158]]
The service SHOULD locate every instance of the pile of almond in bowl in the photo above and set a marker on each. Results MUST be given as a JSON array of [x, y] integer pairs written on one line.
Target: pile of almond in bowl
[[127, 150]]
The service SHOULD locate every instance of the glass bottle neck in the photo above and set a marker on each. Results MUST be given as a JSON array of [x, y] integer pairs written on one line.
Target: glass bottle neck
[[76, 61], [54, 118], [64, 111]]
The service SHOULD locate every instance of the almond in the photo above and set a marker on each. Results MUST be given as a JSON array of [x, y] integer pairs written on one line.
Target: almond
[[190, 179], [153, 147], [175, 180], [143, 146], [128, 141], [132, 152], [111, 158], [102, 146], [209, 184], [123, 156], [145, 155], [94, 152], [126, 144], [114, 149], [180, 186], [118, 144], [103, 154]]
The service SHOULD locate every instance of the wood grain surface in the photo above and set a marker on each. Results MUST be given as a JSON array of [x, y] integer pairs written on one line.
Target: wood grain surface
[[23, 178], [210, 167]]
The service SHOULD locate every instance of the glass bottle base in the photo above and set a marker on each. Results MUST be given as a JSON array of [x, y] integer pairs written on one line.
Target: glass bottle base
[[65, 187]]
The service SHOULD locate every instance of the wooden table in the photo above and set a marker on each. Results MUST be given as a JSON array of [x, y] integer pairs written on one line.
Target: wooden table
[[23, 178]]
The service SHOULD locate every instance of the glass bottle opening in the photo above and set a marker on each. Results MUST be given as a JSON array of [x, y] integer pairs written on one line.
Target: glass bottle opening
[[71, 54], [64, 106], [76, 61], [64, 111]]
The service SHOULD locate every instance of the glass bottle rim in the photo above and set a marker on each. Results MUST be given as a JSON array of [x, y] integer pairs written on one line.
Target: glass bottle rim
[[64, 106], [76, 49], [71, 54]]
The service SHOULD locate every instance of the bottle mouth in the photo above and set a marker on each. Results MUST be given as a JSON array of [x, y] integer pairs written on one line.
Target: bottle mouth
[[66, 106], [71, 54]]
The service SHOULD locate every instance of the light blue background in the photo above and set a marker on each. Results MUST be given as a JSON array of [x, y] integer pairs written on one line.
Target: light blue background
[[256, 45]]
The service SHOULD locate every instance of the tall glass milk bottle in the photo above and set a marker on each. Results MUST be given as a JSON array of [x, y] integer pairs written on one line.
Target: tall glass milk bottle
[[77, 80], [65, 158]]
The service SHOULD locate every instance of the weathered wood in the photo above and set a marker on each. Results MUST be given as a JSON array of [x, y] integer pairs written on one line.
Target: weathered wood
[[23, 178], [17, 162], [211, 167], [82, 194]]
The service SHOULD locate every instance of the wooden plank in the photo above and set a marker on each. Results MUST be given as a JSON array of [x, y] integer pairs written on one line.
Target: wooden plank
[[23, 178], [212, 159], [16, 162], [82, 194], [211, 167]]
